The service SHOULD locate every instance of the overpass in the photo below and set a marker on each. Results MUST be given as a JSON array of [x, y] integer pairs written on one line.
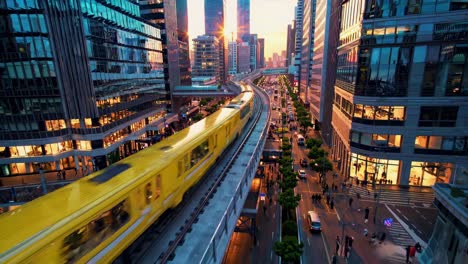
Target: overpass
[[205, 91], [275, 71]]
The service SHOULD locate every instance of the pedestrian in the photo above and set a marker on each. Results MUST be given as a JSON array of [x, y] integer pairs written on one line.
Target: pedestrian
[[337, 244], [358, 196], [332, 203], [366, 215], [328, 199], [264, 209], [350, 201], [366, 232], [346, 251], [350, 242], [271, 201], [407, 253]]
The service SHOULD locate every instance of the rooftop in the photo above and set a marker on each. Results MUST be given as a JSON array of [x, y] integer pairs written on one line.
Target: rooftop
[[454, 198]]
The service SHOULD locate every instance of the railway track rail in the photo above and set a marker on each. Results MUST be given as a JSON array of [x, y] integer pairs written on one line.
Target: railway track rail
[[155, 238]]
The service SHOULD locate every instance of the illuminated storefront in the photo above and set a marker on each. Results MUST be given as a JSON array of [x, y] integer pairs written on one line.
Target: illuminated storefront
[[381, 170]]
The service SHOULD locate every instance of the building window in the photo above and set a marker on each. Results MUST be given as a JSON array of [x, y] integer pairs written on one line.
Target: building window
[[441, 145], [438, 116], [365, 168], [376, 142], [428, 173], [379, 115]]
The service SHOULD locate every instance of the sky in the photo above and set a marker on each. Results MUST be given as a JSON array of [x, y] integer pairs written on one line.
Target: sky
[[268, 18]]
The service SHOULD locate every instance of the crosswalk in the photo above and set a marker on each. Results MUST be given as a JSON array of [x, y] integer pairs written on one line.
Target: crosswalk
[[399, 235], [401, 197]]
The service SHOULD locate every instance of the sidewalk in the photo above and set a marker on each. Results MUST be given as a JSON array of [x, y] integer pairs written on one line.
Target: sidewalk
[[351, 219]]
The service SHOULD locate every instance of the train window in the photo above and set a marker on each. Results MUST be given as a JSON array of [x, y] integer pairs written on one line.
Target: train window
[[199, 153], [187, 162], [158, 187], [180, 167], [148, 193], [245, 111], [214, 140], [89, 236]]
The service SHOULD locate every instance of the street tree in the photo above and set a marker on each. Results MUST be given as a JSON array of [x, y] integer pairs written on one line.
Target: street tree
[[315, 153], [289, 249], [313, 142], [321, 165], [289, 201]]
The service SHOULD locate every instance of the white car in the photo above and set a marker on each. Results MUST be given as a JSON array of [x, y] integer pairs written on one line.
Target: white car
[[302, 174]]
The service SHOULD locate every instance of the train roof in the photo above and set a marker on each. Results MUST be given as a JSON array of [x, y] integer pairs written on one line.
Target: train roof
[[50, 212]]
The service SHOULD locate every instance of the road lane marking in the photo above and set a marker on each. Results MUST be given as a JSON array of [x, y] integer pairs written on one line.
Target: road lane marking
[[326, 246], [308, 241], [272, 235], [405, 217], [398, 210]]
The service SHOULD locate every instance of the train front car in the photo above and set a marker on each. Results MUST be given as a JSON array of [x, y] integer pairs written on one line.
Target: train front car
[[94, 219]]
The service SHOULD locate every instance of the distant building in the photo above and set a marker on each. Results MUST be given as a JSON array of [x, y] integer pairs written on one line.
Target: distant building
[[243, 21], [261, 44], [307, 50], [321, 87], [298, 20], [215, 11], [243, 57], [207, 61], [173, 18], [254, 51], [232, 57], [290, 45], [449, 240]]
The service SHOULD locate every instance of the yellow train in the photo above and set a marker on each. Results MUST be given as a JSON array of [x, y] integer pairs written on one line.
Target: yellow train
[[95, 218]]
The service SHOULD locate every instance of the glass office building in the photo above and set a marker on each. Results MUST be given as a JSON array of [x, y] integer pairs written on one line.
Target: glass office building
[[400, 104], [80, 82]]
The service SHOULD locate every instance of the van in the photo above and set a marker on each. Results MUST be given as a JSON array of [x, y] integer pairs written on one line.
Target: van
[[300, 140], [314, 221]]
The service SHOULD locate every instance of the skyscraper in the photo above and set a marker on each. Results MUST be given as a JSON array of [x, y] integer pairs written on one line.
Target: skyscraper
[[400, 108], [324, 64], [172, 17], [76, 89], [232, 57], [261, 44], [215, 11], [206, 50], [290, 44], [243, 57], [254, 51], [298, 19], [243, 20], [307, 51]]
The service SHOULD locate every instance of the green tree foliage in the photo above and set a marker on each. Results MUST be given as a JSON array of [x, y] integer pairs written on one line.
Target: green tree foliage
[[288, 200], [289, 249], [203, 102], [197, 117], [313, 142], [315, 153], [288, 183], [289, 228], [322, 165]]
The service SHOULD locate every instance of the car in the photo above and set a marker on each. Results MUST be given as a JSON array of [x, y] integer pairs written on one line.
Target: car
[[302, 174], [273, 107], [303, 163]]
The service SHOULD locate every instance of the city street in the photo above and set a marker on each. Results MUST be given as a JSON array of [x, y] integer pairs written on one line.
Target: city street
[[404, 212]]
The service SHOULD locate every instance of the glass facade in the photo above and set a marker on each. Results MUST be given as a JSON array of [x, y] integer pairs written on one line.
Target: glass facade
[[400, 87], [370, 169], [70, 90]]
